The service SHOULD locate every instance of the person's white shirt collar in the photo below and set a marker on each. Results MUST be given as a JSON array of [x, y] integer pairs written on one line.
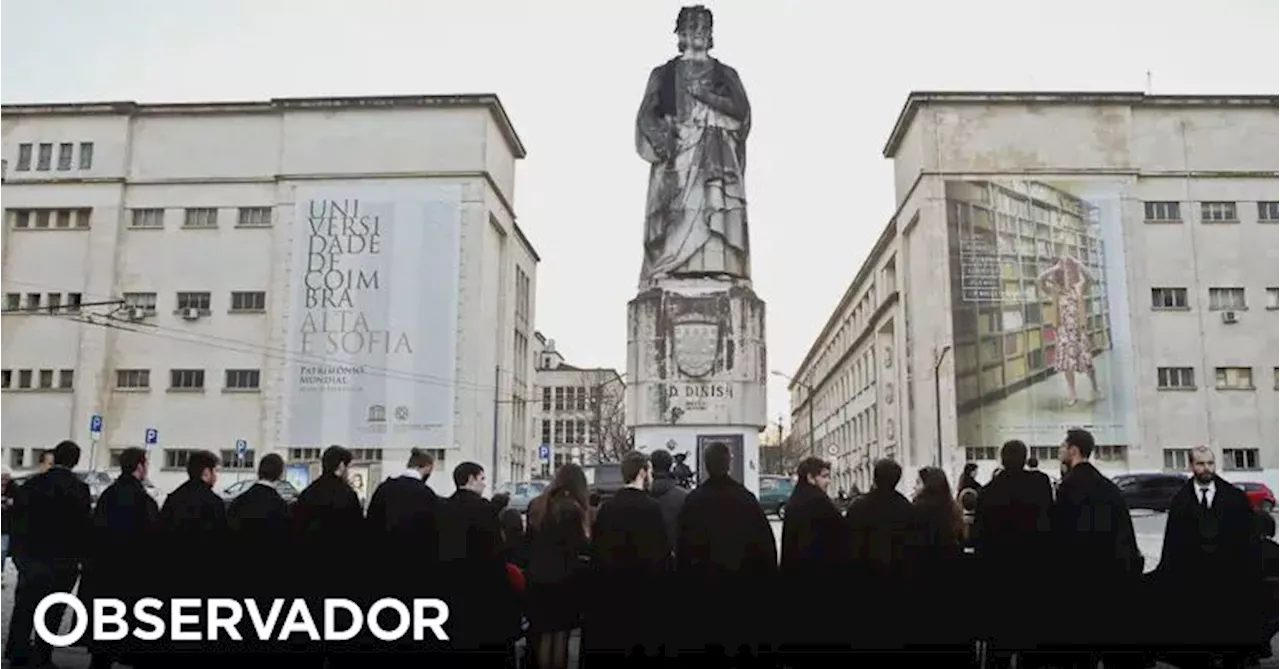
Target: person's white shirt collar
[[269, 484], [1203, 489], [412, 473]]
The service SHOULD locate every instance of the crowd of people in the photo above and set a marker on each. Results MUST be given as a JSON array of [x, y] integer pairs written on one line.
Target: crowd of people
[[661, 571]]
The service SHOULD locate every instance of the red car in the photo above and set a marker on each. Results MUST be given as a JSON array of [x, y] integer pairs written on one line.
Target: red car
[[1260, 496]]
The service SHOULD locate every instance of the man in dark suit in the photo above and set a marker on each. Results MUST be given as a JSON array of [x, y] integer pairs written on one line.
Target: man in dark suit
[[52, 527], [125, 523], [815, 553], [1011, 538], [1209, 534], [726, 560], [667, 490], [485, 616], [328, 525], [258, 520], [632, 554], [403, 526], [1094, 541], [882, 531]]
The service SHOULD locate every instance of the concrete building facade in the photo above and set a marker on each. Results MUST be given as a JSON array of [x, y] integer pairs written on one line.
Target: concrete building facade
[[1172, 220], [146, 256], [578, 408]]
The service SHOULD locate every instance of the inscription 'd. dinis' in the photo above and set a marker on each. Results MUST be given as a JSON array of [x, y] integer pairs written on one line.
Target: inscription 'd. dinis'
[[700, 390]]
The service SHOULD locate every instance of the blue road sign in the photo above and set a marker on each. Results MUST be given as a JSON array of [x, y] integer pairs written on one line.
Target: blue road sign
[[95, 425], [242, 447], [544, 452], [153, 436]]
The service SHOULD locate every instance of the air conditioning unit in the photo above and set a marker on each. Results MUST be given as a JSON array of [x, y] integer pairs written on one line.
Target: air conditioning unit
[[191, 314], [1229, 317], [137, 313]]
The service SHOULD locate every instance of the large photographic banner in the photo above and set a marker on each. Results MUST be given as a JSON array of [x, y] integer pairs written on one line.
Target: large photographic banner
[[1040, 315], [373, 315]]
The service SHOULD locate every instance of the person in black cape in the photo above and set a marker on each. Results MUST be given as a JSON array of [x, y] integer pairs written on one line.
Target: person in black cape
[[403, 527], [667, 490], [882, 525], [1010, 535], [631, 555], [258, 520], [1094, 542], [726, 563], [329, 534], [815, 555], [193, 551], [484, 618], [939, 574], [126, 521], [49, 541], [1209, 535]]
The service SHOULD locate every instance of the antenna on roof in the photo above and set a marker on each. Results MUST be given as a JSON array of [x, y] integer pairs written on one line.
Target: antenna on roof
[[1149, 91]]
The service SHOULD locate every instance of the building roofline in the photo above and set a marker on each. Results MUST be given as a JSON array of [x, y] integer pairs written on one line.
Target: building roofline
[[488, 101], [869, 264], [917, 99], [525, 241]]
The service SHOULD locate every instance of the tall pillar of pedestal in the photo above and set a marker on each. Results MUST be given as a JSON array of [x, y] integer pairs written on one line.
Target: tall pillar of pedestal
[[696, 371]]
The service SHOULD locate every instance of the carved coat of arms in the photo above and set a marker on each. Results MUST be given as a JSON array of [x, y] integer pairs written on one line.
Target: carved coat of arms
[[695, 344]]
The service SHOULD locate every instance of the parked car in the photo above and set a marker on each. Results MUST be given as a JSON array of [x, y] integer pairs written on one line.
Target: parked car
[[774, 493], [522, 492], [1260, 496], [1149, 491], [286, 490], [604, 481]]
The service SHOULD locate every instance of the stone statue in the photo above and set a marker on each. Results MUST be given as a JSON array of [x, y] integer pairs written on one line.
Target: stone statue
[[692, 128]]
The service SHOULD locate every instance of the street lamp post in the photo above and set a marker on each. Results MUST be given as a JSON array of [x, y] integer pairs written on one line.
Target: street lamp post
[[937, 399], [808, 398]]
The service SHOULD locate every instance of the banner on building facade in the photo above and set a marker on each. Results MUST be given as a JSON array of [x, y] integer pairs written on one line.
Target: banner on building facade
[[1040, 316], [373, 315]]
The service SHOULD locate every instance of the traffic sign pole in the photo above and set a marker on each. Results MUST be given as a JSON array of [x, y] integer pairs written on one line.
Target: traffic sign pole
[[95, 435]]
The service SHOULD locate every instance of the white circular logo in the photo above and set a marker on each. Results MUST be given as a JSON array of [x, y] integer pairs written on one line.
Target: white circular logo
[[77, 628]]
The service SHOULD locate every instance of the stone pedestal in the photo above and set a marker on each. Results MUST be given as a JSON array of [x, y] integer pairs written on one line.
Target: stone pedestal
[[696, 371]]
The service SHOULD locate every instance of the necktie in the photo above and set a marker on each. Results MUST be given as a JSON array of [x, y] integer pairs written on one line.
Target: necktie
[[1204, 498]]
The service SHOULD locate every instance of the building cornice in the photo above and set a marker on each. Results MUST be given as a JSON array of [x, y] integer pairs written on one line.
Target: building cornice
[[918, 99], [487, 101]]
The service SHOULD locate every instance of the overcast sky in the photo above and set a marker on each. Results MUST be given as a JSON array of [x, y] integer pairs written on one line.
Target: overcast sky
[[826, 81]]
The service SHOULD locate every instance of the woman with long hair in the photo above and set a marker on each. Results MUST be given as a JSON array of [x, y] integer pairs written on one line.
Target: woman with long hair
[[560, 536], [938, 559]]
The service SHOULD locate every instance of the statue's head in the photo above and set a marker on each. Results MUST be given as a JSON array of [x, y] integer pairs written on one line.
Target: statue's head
[[693, 26]]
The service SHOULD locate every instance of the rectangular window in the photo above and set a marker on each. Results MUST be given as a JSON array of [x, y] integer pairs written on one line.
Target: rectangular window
[[33, 301], [203, 217], [1162, 212], [86, 155], [242, 379], [975, 453], [66, 379], [73, 302], [1226, 299], [232, 460], [42, 218], [53, 301], [546, 431], [44, 158], [193, 300], [251, 301], [24, 379], [559, 398], [1273, 298], [1175, 378], [186, 379], [546, 398], [1218, 212], [148, 218], [1168, 298], [12, 301], [176, 458], [254, 217], [133, 379], [21, 218], [1233, 378], [1178, 459], [144, 301], [82, 217], [1240, 458], [6, 378], [64, 156], [24, 158], [17, 458], [62, 219], [46, 379], [1268, 212]]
